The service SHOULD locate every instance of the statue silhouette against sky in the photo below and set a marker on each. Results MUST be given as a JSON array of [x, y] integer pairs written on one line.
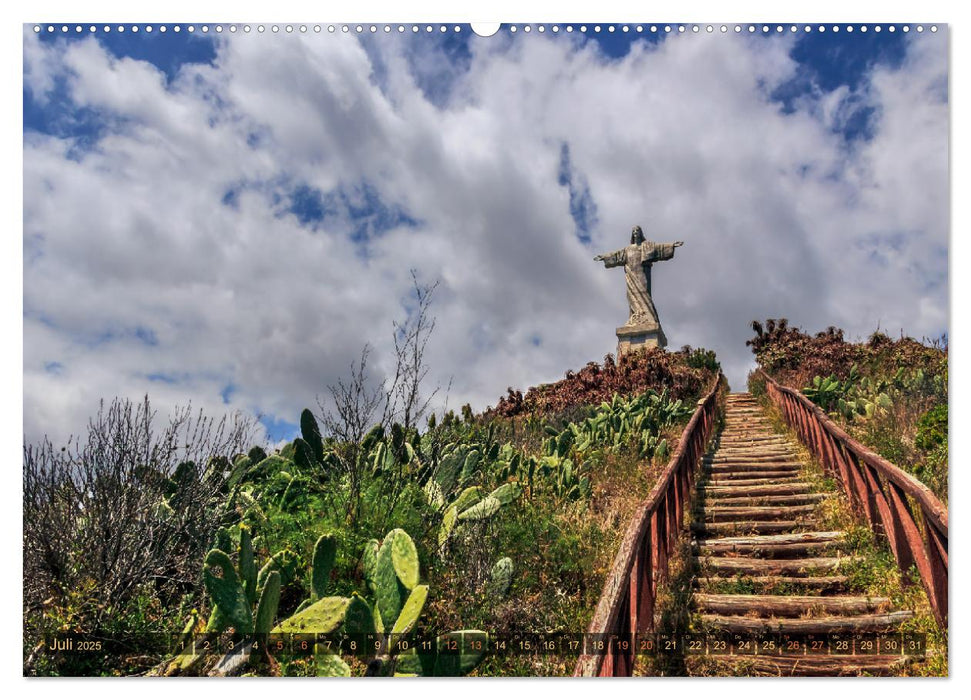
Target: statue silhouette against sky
[[637, 259]]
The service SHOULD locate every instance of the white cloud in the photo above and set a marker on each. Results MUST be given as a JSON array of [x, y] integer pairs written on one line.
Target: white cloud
[[778, 215]]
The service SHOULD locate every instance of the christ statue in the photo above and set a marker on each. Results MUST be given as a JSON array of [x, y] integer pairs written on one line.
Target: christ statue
[[637, 259]]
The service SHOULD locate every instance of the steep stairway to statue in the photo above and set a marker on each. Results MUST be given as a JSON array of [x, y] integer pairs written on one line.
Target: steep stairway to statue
[[763, 563]]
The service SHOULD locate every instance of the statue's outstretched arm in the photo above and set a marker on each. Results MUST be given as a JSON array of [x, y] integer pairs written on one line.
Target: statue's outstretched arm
[[662, 251], [614, 259]]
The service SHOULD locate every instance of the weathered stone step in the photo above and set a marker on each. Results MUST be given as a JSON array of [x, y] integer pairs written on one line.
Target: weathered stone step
[[788, 605], [811, 665], [719, 514], [768, 567], [736, 624]]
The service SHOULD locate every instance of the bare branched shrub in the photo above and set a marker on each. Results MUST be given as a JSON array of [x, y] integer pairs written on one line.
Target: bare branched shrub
[[356, 402], [401, 397], [130, 505], [405, 402]]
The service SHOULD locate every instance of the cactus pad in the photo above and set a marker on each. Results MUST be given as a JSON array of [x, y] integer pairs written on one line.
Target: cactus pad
[[331, 665], [456, 654], [507, 493], [286, 562], [269, 601], [226, 591], [358, 619], [411, 611], [448, 524], [369, 564], [390, 593], [247, 564], [460, 652], [322, 617], [325, 552], [468, 498], [485, 508], [224, 541], [311, 434], [501, 577], [404, 557], [433, 492]]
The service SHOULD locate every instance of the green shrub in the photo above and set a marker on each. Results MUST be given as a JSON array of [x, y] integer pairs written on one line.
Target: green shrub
[[932, 428]]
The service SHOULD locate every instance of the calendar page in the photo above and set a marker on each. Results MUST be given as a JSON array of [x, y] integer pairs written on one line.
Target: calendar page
[[345, 352]]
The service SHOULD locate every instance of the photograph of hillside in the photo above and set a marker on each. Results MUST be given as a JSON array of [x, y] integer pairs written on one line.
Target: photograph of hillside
[[400, 350]]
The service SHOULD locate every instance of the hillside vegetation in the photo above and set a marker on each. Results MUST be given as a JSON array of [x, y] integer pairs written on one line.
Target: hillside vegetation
[[891, 395], [493, 524]]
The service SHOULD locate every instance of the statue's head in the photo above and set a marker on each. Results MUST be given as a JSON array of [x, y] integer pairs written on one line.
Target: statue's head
[[636, 235]]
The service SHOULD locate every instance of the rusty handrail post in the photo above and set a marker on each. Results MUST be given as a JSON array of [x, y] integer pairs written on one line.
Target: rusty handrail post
[[879, 493], [626, 606]]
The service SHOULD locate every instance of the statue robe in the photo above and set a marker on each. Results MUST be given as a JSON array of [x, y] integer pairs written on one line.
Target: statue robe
[[637, 259]]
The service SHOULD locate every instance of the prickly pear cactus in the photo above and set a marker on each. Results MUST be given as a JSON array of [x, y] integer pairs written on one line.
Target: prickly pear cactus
[[411, 611], [322, 617], [325, 552], [485, 508], [224, 540], [468, 498], [434, 495], [390, 592], [471, 464], [358, 618], [404, 557], [311, 434], [500, 578], [507, 493], [303, 454], [269, 602], [456, 654], [227, 592], [286, 561], [247, 563], [369, 564], [373, 436], [448, 524], [330, 664]]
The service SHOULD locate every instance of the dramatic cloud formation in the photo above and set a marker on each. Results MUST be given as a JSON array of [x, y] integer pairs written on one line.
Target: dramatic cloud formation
[[232, 228]]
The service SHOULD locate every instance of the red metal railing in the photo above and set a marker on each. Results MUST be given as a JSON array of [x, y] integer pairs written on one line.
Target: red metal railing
[[882, 494], [626, 605]]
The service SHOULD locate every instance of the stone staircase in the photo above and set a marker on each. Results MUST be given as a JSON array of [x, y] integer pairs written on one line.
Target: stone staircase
[[764, 566]]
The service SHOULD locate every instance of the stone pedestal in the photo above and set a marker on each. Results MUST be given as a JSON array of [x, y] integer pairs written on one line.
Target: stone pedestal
[[640, 337]]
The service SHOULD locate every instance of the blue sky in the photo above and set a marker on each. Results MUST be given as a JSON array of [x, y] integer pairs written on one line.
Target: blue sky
[[237, 215]]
